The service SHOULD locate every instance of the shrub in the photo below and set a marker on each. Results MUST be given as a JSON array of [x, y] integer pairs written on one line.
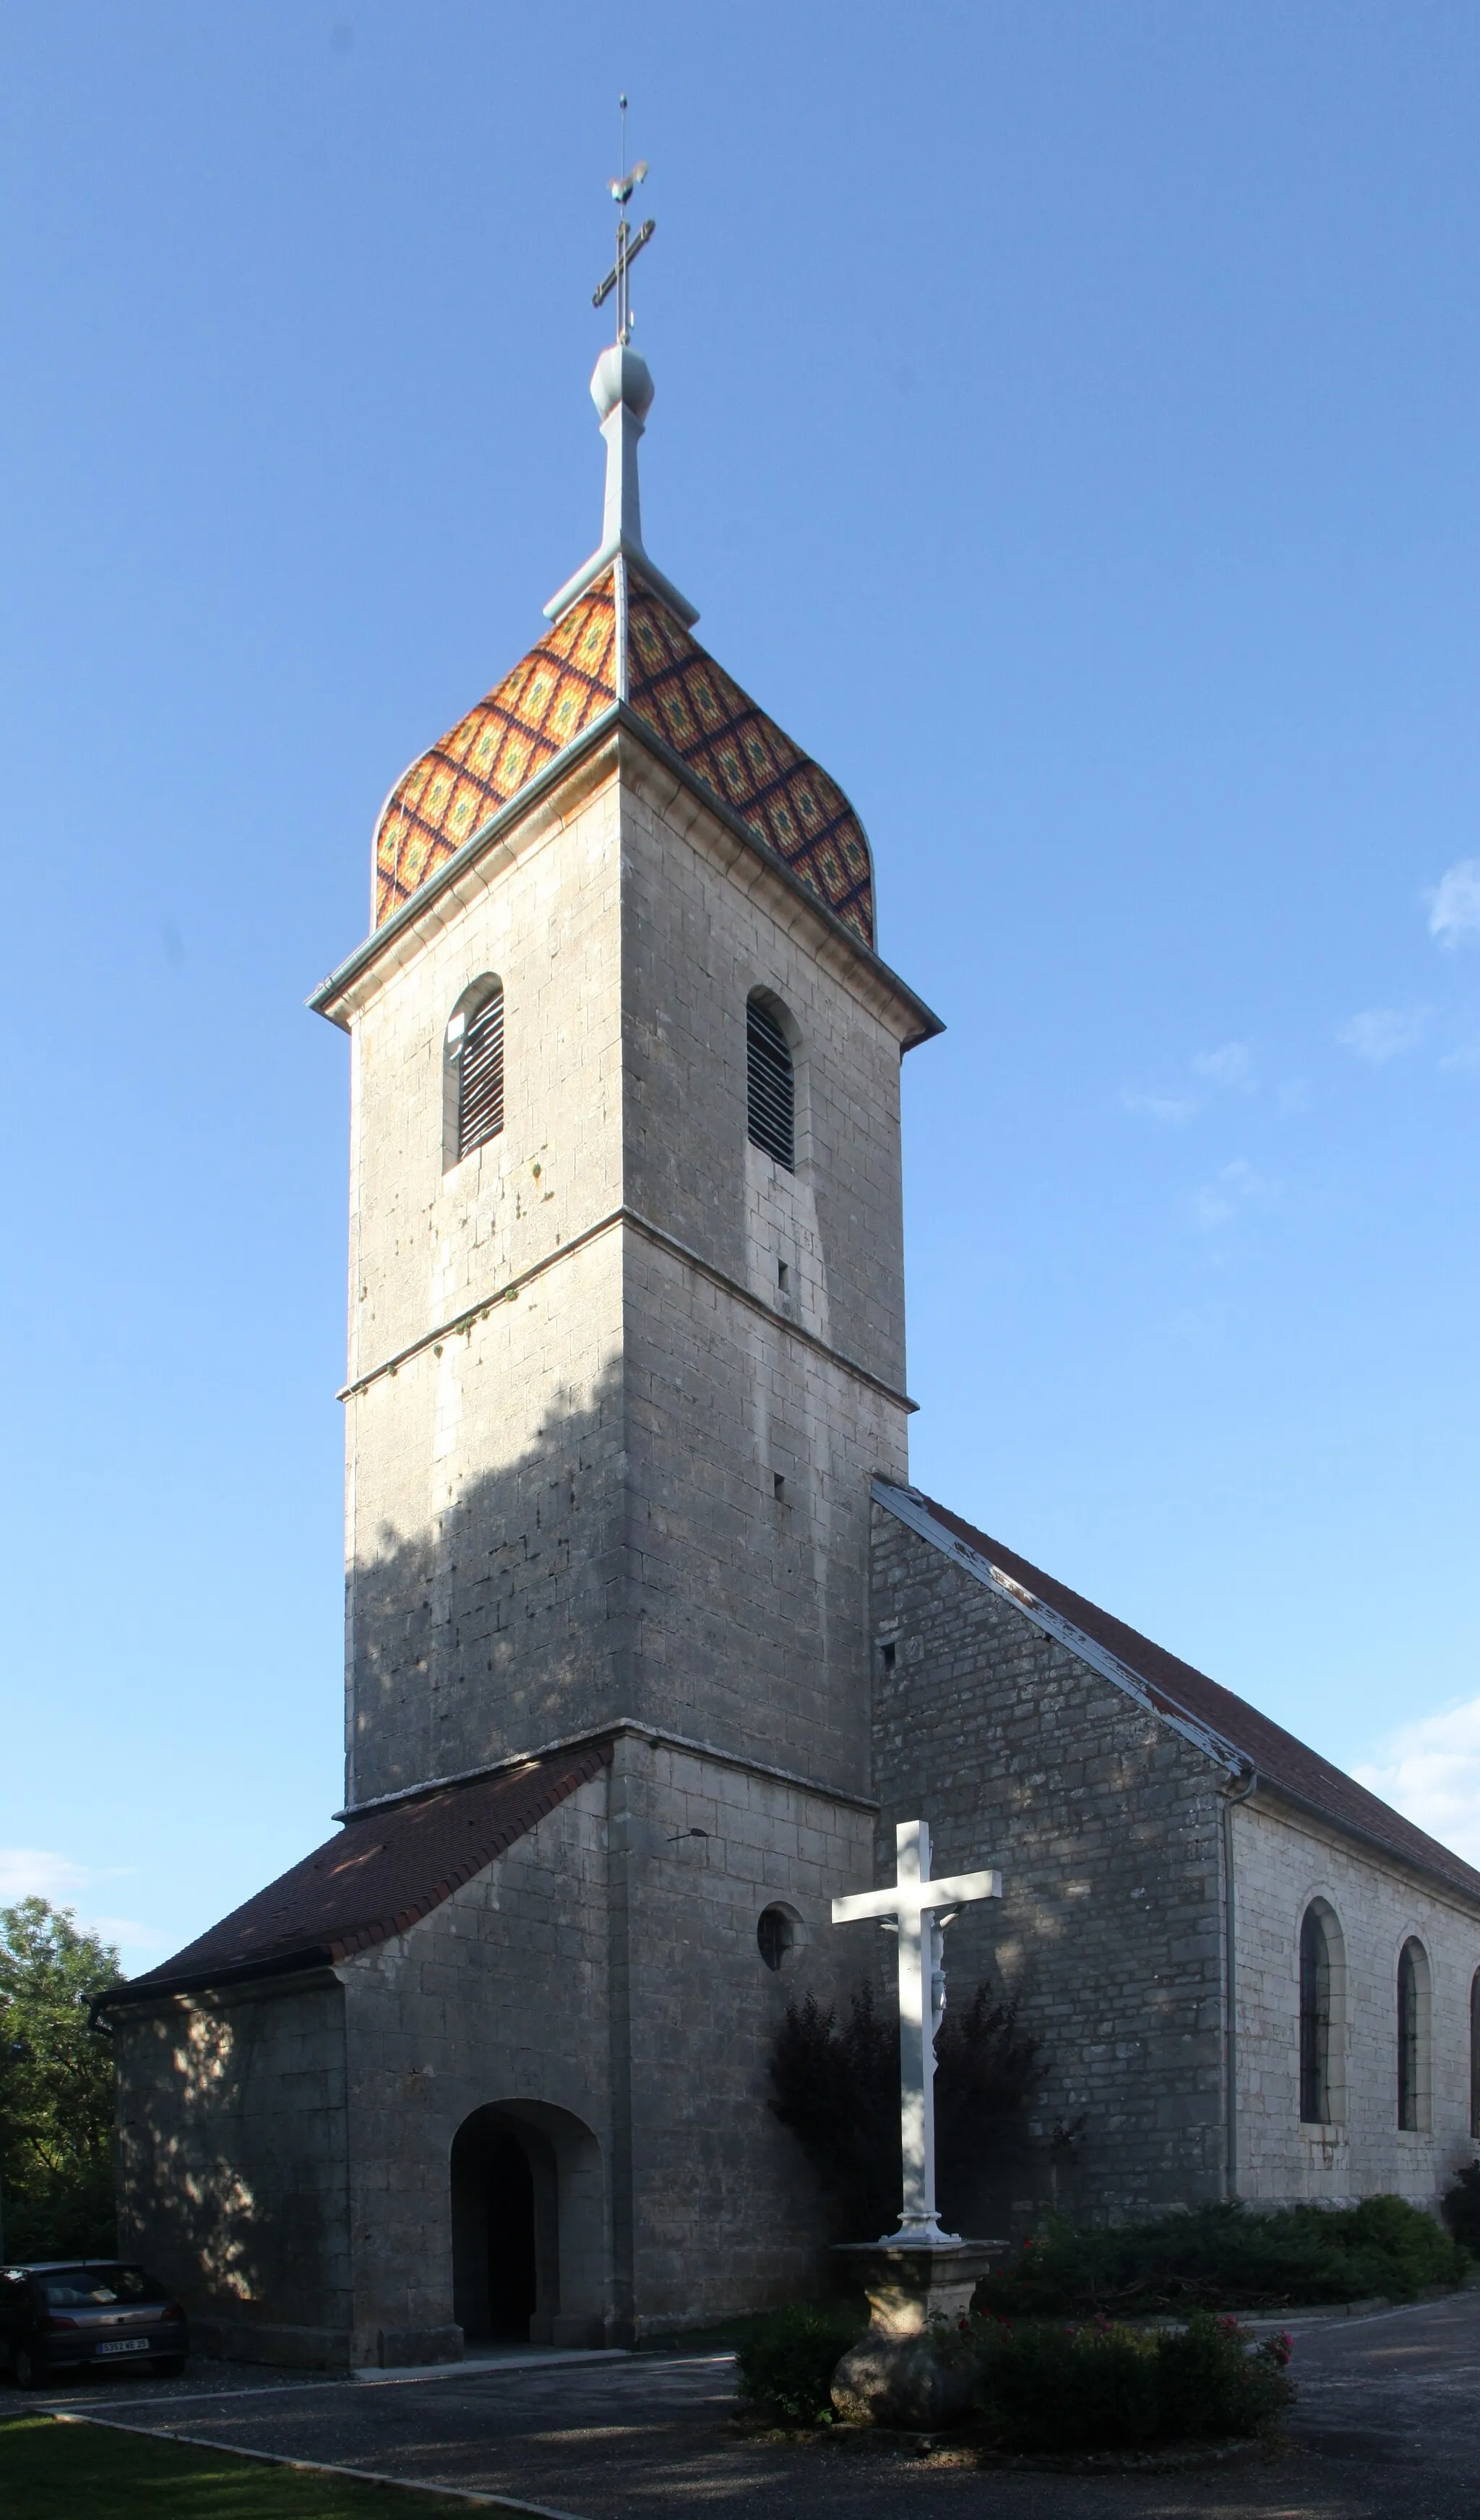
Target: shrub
[[1226, 2257], [1462, 2209], [1041, 2387], [788, 2358], [837, 2087]]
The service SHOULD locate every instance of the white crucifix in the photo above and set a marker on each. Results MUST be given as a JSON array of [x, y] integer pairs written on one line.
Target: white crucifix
[[914, 1904]]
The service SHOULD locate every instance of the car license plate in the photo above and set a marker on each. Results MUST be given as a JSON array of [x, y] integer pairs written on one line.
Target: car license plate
[[127, 2345]]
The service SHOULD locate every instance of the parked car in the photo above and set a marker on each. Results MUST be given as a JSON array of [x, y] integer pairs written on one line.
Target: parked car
[[68, 2313]]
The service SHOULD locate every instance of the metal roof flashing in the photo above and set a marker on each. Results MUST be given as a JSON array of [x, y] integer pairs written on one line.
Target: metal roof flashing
[[909, 1508], [1258, 1772]]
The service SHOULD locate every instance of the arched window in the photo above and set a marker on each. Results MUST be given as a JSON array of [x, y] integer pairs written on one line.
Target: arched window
[[1413, 2037], [1474, 2054], [1315, 2020], [472, 1072], [780, 1935], [770, 1085]]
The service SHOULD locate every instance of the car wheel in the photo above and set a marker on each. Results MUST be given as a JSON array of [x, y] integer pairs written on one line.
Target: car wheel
[[167, 2367], [25, 2369]]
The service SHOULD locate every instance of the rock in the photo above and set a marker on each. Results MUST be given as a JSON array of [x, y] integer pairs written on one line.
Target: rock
[[918, 2382]]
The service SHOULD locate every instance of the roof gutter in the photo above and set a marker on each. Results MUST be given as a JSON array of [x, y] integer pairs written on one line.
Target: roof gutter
[[198, 1981]]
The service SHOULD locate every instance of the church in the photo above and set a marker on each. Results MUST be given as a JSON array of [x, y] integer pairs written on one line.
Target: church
[[650, 1643]]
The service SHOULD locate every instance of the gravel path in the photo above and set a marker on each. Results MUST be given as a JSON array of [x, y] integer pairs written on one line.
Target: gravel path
[[1388, 2424]]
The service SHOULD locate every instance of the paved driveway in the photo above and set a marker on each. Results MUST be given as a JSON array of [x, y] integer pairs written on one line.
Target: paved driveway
[[1388, 2424]]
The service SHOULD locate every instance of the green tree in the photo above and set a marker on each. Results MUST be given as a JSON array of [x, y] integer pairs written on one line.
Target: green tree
[[55, 2085]]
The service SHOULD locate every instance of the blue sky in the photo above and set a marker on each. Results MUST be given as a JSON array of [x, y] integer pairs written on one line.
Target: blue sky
[[1067, 425]]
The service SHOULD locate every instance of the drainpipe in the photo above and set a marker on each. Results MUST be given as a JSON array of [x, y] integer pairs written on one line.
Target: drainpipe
[[1238, 1794]]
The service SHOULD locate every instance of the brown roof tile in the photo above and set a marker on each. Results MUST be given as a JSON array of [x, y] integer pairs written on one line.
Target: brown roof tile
[[1281, 1760], [382, 1874]]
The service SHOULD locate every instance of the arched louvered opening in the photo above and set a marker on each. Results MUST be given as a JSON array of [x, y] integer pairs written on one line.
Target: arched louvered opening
[[1315, 2020], [472, 1077], [1413, 2038], [770, 1084]]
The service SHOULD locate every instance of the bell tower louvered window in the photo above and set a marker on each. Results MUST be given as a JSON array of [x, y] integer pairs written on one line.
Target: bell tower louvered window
[[472, 1107], [480, 1104], [771, 1083]]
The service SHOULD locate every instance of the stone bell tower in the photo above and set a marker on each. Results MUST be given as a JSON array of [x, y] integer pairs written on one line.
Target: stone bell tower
[[626, 1351], [626, 1336]]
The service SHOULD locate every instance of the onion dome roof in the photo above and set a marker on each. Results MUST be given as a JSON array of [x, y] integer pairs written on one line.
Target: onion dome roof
[[568, 681]]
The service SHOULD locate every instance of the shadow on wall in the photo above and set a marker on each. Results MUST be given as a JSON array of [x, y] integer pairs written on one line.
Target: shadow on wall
[[504, 1621], [517, 1614], [273, 2074]]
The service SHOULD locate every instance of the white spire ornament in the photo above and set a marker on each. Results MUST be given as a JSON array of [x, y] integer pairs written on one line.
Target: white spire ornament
[[621, 388]]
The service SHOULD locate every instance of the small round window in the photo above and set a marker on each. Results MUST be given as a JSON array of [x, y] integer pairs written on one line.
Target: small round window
[[779, 1936]]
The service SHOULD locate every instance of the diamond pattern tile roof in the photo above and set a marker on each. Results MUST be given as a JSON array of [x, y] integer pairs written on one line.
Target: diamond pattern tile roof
[[689, 700]]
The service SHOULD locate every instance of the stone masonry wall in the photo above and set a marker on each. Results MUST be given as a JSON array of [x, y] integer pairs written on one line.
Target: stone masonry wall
[[704, 924], [1106, 1826], [726, 2212], [233, 2165], [484, 1477], [501, 1994], [604, 1983], [566, 1510], [1282, 1861]]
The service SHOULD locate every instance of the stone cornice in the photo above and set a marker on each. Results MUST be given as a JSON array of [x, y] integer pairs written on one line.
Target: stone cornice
[[593, 755], [463, 1323]]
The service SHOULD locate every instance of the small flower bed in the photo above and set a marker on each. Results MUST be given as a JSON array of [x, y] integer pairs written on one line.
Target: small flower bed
[[1101, 2387], [1041, 2386]]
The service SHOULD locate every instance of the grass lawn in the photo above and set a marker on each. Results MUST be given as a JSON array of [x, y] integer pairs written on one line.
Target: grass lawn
[[51, 2471]]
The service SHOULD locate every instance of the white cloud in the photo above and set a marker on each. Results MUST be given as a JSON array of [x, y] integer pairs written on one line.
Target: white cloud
[[1172, 1110], [1467, 1056], [127, 1932], [1231, 1065], [39, 1872], [1383, 1033], [1229, 1068], [1232, 1190], [1430, 1771], [1453, 905], [31, 1873]]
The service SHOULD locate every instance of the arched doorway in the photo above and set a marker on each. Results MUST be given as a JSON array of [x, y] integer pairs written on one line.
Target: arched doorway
[[498, 2191], [526, 2227]]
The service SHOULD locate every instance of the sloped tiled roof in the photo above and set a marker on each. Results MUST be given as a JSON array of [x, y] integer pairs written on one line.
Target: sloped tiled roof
[[380, 1875], [565, 682], [1183, 1689]]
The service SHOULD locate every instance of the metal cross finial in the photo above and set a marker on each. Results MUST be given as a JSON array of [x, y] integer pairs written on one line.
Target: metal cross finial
[[628, 246]]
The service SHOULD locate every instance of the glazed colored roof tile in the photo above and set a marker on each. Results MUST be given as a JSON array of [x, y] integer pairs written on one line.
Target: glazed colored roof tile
[[380, 1875], [689, 700], [1183, 1689]]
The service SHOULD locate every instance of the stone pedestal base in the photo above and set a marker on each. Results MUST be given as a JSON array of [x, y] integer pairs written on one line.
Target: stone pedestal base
[[903, 2371]]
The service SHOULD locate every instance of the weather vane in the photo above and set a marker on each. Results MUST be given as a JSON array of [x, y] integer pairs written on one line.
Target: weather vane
[[628, 245]]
